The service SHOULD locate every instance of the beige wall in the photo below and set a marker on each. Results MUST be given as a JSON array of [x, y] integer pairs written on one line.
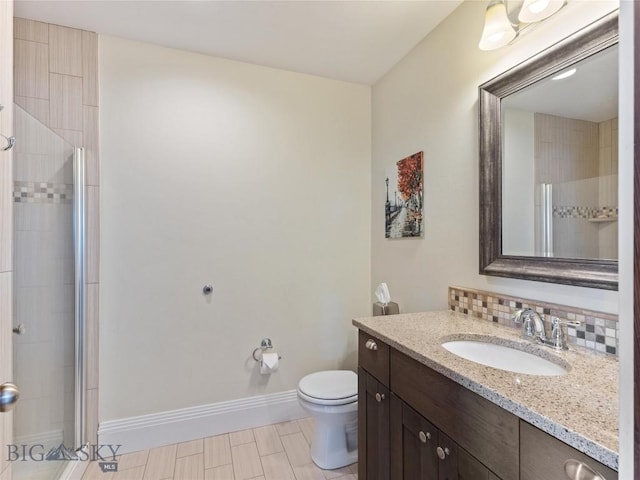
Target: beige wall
[[429, 101], [253, 179], [6, 224], [518, 171]]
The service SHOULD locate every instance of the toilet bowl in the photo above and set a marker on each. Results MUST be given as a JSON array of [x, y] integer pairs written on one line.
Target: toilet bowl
[[332, 398]]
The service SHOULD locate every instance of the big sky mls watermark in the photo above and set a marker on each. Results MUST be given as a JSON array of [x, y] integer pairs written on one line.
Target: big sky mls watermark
[[105, 455]]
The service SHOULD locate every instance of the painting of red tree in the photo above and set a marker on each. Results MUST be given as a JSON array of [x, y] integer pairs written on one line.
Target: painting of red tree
[[403, 212]]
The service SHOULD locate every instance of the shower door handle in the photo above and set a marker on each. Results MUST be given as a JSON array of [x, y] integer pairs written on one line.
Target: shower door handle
[[9, 395]]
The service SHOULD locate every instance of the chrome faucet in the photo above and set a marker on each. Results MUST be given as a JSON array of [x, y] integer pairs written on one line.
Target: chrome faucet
[[533, 328], [532, 324]]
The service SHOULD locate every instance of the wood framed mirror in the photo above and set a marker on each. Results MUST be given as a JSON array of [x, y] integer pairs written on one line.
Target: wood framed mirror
[[523, 228]]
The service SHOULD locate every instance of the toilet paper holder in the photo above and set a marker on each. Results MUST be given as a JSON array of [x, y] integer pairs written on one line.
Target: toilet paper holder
[[265, 344]]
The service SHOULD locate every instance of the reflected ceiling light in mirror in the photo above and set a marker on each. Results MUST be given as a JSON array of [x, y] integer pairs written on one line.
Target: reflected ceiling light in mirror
[[565, 74], [502, 25], [537, 10], [498, 30]]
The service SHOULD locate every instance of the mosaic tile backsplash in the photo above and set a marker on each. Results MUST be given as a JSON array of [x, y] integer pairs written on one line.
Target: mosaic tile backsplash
[[598, 331]]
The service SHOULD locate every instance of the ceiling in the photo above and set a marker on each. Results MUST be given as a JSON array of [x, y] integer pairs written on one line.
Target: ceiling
[[355, 41], [590, 94]]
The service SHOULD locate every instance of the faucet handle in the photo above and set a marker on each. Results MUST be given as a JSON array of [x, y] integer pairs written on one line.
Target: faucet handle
[[572, 323], [518, 314], [525, 317], [558, 341]]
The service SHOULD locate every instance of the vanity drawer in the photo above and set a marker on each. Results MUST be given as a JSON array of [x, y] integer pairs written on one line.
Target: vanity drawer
[[373, 356], [543, 456], [486, 431]]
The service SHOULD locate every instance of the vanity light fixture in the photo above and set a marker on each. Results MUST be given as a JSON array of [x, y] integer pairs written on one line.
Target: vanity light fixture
[[500, 29], [565, 74]]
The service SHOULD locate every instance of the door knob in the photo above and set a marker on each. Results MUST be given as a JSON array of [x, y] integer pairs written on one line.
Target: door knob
[[424, 436], [379, 397], [371, 345], [8, 396]]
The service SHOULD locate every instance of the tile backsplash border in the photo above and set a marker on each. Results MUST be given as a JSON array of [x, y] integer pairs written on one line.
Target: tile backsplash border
[[598, 331]]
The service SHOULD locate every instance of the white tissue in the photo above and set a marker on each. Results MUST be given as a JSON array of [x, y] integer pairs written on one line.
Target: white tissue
[[382, 294], [269, 363]]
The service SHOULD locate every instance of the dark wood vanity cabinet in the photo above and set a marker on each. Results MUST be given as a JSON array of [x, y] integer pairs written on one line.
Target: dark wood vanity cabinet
[[416, 424], [484, 430], [395, 439], [471, 469], [373, 408], [543, 457], [373, 427], [419, 451], [395, 442], [413, 444]]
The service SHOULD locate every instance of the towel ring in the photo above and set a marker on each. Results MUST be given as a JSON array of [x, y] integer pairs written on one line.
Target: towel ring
[[11, 141]]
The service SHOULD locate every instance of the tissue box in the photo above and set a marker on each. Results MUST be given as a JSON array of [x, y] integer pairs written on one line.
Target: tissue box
[[390, 308]]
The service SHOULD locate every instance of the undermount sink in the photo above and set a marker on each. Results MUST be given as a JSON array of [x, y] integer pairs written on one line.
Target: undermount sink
[[504, 357]]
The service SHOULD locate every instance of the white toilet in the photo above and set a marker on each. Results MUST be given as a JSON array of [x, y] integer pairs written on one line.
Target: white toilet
[[332, 398]]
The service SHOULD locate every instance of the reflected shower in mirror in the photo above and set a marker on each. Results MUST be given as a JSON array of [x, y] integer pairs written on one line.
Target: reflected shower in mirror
[[560, 163]]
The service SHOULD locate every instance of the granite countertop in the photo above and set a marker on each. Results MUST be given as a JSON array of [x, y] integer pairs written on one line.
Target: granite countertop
[[579, 408]]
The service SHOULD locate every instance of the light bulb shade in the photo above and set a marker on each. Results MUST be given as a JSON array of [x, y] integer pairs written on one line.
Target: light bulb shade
[[498, 30], [536, 10]]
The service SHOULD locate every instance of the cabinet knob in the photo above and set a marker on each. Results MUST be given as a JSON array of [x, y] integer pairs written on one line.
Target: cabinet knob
[[371, 345], [577, 470], [442, 454], [379, 397], [424, 436]]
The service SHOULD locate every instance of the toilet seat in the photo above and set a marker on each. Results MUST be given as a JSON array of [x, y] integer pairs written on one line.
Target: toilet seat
[[331, 387]]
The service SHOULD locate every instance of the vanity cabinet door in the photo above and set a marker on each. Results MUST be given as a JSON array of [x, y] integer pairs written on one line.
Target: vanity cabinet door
[[482, 428], [471, 469], [413, 444], [373, 428], [447, 452]]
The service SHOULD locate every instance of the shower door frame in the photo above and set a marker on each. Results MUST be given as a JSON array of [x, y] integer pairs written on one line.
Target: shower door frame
[[80, 268]]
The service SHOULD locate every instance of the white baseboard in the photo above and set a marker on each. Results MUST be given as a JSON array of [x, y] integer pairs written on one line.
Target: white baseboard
[[165, 428]]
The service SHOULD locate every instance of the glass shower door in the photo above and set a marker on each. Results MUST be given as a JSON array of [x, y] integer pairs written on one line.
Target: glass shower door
[[47, 349]]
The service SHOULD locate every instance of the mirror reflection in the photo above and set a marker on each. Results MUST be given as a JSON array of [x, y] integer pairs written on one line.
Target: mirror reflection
[[560, 163]]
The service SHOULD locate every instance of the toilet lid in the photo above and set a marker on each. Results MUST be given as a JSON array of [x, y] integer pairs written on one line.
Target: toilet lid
[[330, 385]]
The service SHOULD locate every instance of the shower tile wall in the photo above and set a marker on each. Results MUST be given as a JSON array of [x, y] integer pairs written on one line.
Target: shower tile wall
[[56, 81], [580, 159], [43, 284], [608, 186]]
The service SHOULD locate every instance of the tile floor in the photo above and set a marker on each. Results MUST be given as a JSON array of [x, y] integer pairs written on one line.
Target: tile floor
[[273, 452]]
